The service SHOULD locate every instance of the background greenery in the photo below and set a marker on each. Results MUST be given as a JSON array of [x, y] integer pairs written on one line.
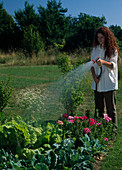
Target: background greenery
[[33, 31]]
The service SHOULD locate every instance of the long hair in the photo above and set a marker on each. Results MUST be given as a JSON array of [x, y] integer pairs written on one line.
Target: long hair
[[110, 41]]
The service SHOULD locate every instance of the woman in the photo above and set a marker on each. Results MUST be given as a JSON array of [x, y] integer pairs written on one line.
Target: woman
[[105, 47]]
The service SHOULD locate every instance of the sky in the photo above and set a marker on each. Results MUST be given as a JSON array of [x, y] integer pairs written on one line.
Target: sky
[[110, 9]]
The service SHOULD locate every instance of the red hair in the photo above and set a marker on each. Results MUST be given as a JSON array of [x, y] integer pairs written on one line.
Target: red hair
[[110, 41]]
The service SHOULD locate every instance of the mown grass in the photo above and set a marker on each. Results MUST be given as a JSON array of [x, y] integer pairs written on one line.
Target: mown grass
[[114, 159], [43, 76], [22, 77]]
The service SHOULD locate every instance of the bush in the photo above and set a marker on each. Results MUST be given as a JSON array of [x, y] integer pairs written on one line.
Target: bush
[[64, 63], [5, 93], [71, 95], [32, 42]]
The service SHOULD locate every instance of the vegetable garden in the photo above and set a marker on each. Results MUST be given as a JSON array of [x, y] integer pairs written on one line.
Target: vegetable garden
[[69, 139]]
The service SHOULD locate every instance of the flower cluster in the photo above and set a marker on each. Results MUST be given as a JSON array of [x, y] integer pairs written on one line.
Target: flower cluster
[[107, 119], [92, 121], [73, 119], [80, 125], [80, 118], [86, 130]]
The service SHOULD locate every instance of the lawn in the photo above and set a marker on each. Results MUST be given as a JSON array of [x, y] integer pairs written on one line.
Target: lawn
[[29, 76]]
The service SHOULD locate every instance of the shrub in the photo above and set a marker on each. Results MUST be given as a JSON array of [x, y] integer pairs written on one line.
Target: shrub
[[5, 93], [64, 63], [71, 95], [32, 42]]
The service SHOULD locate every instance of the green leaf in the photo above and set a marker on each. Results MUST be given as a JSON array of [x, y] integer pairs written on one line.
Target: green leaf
[[52, 159], [41, 166]]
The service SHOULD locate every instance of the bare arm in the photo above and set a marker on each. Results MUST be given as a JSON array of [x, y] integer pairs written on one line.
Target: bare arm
[[106, 63]]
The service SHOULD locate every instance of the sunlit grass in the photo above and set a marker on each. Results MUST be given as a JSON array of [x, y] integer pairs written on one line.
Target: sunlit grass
[[22, 77]]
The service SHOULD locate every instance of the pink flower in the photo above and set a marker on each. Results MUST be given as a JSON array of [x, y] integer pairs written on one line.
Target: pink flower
[[106, 139], [92, 120], [65, 115], [81, 118], [76, 117], [72, 121], [107, 119], [86, 130], [84, 117], [70, 117], [98, 124], [91, 123], [60, 122]]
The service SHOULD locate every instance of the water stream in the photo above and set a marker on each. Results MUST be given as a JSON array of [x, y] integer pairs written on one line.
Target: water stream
[[73, 79]]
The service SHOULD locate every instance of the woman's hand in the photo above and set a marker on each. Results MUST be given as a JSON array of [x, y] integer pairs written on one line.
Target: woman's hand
[[106, 63], [95, 77], [99, 62]]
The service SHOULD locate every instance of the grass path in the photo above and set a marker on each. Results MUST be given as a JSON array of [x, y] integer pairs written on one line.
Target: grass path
[[114, 159]]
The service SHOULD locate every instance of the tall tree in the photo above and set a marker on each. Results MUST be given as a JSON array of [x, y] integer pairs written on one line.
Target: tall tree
[[26, 17], [53, 22], [8, 30], [86, 27], [32, 42], [28, 22], [117, 30]]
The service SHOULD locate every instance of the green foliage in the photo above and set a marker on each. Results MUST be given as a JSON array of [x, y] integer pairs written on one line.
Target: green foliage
[[66, 156], [120, 45], [117, 30], [32, 42], [71, 152], [71, 95], [23, 139], [14, 135], [60, 46], [26, 17], [82, 32], [6, 159], [53, 25], [5, 93], [53, 22], [86, 27], [8, 30], [64, 63], [92, 146]]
